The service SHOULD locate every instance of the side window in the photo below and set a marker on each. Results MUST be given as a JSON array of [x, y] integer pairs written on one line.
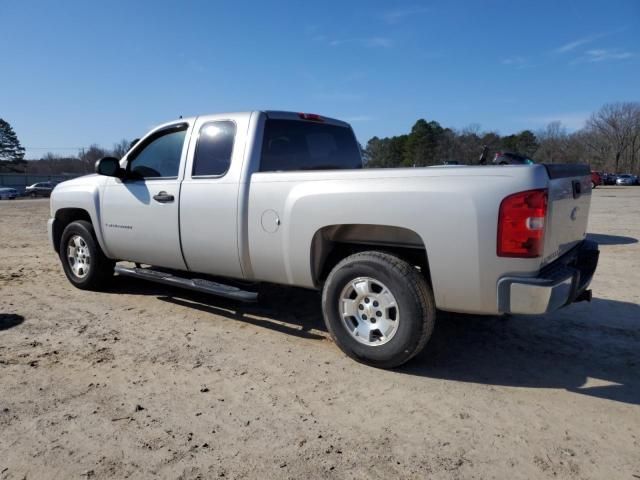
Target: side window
[[214, 149], [160, 156]]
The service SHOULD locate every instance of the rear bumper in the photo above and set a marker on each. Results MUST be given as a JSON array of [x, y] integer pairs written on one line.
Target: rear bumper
[[557, 285]]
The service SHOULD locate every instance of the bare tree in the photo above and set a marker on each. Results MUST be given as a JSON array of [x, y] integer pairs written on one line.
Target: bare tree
[[91, 155], [553, 143], [577, 150], [614, 131], [468, 144], [634, 147], [121, 148]]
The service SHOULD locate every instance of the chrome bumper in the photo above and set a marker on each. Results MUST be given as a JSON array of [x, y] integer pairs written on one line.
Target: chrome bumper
[[558, 284]]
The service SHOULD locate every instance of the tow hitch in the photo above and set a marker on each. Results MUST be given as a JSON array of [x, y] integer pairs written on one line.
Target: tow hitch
[[584, 296]]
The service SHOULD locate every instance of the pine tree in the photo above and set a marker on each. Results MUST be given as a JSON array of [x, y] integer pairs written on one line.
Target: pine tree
[[10, 148]]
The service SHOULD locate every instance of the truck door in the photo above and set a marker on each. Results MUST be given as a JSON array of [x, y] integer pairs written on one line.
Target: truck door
[[141, 213], [209, 195]]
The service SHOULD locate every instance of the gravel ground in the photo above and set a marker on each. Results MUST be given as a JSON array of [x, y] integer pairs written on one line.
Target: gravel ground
[[146, 381]]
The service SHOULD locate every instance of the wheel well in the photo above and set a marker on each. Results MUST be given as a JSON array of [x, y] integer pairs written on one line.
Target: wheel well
[[64, 217], [333, 243]]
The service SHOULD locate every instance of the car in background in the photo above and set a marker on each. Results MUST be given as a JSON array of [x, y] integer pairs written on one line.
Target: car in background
[[626, 179], [609, 178], [596, 179], [510, 158], [7, 193], [40, 189]]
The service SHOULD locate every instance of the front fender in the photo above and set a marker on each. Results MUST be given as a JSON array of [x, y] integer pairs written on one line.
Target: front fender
[[82, 193]]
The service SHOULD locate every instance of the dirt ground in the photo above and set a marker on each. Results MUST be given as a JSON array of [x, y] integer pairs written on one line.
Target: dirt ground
[[145, 381]]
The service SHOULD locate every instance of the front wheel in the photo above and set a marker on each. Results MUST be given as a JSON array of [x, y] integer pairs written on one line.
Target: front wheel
[[83, 261], [378, 309]]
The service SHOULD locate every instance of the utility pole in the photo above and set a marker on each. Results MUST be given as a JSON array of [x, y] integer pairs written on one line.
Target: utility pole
[[83, 160]]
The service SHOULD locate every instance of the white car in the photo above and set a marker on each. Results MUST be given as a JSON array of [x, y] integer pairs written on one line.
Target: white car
[[625, 179], [7, 193]]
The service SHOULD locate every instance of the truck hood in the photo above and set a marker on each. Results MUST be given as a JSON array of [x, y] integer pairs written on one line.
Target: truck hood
[[84, 181]]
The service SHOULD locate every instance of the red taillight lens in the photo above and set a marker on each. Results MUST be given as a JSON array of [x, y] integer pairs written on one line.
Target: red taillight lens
[[314, 117], [521, 224]]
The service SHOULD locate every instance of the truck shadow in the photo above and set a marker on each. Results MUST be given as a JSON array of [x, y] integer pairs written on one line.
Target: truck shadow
[[591, 349], [587, 348], [604, 239], [294, 311]]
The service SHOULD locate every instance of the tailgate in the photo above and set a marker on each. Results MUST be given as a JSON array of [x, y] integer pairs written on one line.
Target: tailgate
[[568, 208]]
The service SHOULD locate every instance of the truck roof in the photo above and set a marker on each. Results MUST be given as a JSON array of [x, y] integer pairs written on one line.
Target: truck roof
[[284, 115], [273, 114]]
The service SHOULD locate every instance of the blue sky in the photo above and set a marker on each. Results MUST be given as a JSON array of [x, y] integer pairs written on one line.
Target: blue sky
[[80, 72]]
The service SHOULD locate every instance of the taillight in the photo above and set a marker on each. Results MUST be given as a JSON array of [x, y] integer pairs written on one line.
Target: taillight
[[314, 117], [521, 224]]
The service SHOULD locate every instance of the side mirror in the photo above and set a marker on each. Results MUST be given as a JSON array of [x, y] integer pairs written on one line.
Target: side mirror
[[109, 166]]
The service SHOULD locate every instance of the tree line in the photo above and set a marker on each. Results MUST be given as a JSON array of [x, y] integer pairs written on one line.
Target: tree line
[[609, 141], [53, 164]]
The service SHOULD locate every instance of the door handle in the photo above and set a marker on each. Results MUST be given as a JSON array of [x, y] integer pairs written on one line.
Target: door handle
[[163, 197]]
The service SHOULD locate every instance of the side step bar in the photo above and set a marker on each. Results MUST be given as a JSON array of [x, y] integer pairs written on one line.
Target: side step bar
[[197, 284]]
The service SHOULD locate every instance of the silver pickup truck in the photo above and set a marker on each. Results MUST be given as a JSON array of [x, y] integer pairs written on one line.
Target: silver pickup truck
[[282, 197]]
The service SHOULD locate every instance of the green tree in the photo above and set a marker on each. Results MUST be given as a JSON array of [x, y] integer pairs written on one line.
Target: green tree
[[10, 148], [385, 152], [524, 143], [374, 151], [422, 144]]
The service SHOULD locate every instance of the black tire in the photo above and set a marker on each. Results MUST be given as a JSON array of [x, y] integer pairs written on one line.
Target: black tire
[[100, 269], [414, 298], [593, 185]]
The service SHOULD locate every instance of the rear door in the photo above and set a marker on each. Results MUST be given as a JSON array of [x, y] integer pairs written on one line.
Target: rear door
[[140, 214], [568, 210], [209, 194]]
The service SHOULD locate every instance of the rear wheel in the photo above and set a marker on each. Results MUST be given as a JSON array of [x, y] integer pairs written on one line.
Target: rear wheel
[[378, 308], [83, 261]]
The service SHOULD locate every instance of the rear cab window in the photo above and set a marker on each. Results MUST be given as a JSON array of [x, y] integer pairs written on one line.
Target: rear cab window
[[291, 145], [214, 148]]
